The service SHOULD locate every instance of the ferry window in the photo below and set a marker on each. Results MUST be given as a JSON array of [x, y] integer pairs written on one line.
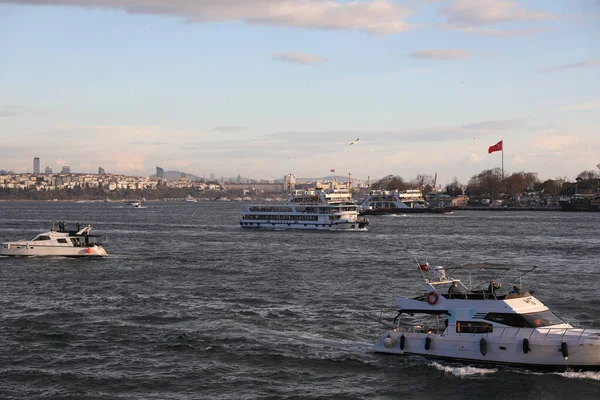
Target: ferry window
[[473, 327], [61, 240], [42, 238]]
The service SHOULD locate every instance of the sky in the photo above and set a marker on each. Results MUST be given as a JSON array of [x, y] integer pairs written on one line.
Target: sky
[[263, 88]]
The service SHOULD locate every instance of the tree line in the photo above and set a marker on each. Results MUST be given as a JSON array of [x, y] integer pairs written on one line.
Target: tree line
[[490, 182]]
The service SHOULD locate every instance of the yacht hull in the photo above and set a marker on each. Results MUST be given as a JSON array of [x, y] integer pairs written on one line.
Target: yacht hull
[[24, 250], [546, 348]]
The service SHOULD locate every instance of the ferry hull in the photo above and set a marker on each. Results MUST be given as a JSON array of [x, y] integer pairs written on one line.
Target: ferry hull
[[349, 226], [545, 352]]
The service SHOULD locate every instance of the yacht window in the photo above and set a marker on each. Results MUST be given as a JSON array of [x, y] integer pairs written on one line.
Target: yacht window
[[61, 240], [41, 238], [473, 327], [531, 320]]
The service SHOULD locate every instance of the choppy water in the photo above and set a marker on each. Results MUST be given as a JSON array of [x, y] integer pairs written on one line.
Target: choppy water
[[189, 305]]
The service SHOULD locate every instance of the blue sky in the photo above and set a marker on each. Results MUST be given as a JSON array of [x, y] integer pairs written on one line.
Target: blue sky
[[268, 87]]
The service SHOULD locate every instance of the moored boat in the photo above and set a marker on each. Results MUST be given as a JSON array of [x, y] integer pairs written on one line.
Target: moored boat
[[581, 202], [379, 202], [58, 242], [488, 327]]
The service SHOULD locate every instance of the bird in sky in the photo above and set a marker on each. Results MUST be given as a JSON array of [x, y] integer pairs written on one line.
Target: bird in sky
[[353, 142]]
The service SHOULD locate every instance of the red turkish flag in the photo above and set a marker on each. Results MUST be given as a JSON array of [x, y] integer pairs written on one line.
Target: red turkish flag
[[496, 147]]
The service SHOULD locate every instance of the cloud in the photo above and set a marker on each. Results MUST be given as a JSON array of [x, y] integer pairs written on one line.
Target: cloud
[[591, 105], [381, 17], [478, 30], [475, 157], [471, 16], [496, 125], [480, 12], [553, 142], [441, 54], [299, 58], [9, 111], [228, 128], [577, 65]]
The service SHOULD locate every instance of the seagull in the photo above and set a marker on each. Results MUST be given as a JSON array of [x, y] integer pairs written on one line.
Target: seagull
[[353, 142]]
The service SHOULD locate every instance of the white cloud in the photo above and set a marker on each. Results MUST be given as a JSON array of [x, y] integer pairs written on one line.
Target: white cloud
[[299, 58], [382, 17], [475, 157], [441, 54], [479, 12], [553, 142], [577, 65], [228, 128], [589, 106], [483, 31], [471, 16]]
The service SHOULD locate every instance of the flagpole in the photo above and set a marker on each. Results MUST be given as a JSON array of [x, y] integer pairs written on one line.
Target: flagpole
[[502, 160]]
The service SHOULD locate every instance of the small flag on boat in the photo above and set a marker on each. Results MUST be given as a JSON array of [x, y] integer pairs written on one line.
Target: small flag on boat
[[333, 170], [424, 267]]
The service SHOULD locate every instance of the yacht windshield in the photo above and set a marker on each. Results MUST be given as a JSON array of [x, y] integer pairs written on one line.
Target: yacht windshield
[[531, 320]]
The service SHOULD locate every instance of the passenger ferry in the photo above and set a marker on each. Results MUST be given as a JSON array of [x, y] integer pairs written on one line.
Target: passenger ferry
[[393, 201], [307, 209], [485, 326], [58, 242]]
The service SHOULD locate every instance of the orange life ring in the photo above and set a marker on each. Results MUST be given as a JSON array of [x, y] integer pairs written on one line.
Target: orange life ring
[[432, 298]]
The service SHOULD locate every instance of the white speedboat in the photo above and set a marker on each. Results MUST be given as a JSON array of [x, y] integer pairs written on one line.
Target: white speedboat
[[308, 210], [483, 326], [58, 242], [190, 199], [132, 204]]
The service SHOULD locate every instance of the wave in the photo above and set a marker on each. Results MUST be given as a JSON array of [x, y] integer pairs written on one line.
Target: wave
[[465, 371], [589, 375]]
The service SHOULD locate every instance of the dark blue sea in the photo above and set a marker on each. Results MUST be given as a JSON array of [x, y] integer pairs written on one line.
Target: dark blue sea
[[190, 306]]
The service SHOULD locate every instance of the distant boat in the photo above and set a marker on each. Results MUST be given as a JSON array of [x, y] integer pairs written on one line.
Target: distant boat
[[132, 204], [190, 199]]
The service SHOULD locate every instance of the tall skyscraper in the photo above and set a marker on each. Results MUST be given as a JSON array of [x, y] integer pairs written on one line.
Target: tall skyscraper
[[160, 173], [48, 170], [101, 171], [36, 165], [212, 176], [65, 169]]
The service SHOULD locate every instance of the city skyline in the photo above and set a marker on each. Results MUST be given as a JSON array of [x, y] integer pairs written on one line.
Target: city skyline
[[276, 87]]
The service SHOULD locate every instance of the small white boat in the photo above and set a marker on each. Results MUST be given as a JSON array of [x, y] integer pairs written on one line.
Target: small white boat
[[190, 199], [132, 204], [487, 327], [58, 242]]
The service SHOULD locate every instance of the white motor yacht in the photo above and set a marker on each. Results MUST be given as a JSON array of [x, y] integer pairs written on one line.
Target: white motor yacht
[[485, 326], [132, 204], [58, 242]]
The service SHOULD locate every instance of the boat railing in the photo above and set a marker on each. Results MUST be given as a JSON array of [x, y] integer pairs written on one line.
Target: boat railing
[[528, 333]]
